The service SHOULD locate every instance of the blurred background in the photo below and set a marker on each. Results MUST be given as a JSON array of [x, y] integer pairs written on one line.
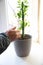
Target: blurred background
[[8, 20]]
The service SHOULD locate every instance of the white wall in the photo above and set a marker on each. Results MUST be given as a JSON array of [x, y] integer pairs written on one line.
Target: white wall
[[3, 24]]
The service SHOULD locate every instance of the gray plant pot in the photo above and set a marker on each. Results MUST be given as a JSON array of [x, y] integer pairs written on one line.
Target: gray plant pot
[[23, 46]]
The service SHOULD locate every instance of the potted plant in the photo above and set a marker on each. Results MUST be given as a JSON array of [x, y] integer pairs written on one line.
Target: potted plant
[[23, 44]]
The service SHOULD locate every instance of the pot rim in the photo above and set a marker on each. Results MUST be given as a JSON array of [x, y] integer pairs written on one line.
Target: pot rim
[[28, 37]]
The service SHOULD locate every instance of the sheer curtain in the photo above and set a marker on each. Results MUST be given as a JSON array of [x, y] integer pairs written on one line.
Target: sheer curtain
[[41, 22], [33, 17]]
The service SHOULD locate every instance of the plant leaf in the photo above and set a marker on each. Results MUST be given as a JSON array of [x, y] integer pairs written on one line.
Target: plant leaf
[[19, 14]]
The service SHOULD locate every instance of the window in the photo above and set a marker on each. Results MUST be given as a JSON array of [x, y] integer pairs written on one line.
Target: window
[[33, 17], [41, 22], [3, 22]]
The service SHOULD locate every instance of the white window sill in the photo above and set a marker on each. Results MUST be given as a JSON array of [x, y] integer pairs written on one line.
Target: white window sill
[[9, 57]]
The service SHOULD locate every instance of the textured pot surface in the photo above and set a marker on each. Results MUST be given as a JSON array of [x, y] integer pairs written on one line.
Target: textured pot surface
[[23, 46]]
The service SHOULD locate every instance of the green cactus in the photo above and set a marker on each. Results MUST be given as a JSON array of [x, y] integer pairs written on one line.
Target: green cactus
[[22, 5]]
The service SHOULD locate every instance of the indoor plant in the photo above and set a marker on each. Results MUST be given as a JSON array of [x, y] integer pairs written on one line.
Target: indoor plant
[[23, 44]]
